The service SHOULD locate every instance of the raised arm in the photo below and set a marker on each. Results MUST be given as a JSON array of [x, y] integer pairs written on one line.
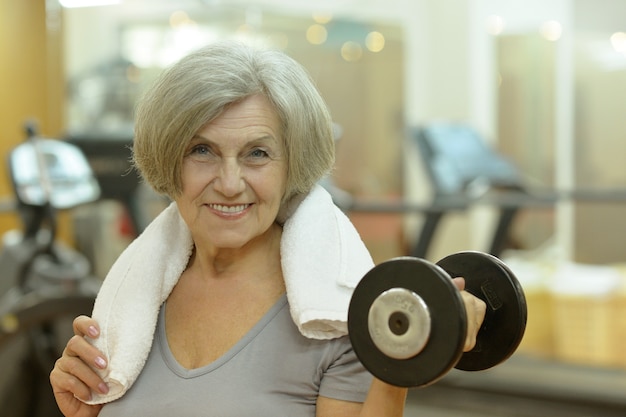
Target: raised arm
[[385, 400]]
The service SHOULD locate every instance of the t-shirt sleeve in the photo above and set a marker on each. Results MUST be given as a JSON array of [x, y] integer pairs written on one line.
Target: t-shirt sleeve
[[345, 378]]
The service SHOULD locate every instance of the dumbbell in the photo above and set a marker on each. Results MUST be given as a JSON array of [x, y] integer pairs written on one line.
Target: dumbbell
[[407, 320]]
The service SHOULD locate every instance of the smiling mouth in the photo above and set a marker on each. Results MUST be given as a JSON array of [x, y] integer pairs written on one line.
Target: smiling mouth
[[229, 209]]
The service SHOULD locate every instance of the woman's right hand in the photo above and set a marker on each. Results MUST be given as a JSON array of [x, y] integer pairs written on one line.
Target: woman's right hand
[[74, 376]]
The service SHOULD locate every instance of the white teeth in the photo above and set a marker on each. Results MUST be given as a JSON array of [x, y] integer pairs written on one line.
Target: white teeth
[[229, 209]]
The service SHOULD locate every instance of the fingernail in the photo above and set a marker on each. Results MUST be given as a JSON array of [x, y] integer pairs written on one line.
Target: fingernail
[[93, 332], [103, 388], [101, 363]]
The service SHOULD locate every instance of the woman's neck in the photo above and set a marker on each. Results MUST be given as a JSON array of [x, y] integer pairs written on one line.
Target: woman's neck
[[260, 256]]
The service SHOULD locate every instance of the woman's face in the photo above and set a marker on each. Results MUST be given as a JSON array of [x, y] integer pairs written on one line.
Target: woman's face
[[234, 176]]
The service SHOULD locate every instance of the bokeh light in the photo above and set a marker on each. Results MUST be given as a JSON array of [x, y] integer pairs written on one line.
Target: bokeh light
[[495, 25], [322, 18], [618, 41], [375, 41], [551, 30], [179, 18], [316, 34], [351, 51]]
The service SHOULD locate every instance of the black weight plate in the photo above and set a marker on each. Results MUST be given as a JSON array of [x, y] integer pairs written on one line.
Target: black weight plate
[[448, 327], [489, 279]]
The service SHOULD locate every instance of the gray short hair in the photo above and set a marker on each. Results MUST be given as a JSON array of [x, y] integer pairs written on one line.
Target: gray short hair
[[200, 86]]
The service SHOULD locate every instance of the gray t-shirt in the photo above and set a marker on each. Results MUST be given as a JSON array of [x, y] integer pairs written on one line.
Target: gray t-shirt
[[273, 371]]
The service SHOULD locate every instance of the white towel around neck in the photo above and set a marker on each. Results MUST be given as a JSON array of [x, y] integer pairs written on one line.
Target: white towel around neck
[[323, 258]]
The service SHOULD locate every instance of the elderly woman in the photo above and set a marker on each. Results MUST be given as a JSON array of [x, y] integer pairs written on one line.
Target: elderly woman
[[236, 137]]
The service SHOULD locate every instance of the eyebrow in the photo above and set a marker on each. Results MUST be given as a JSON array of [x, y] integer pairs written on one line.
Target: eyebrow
[[264, 138]]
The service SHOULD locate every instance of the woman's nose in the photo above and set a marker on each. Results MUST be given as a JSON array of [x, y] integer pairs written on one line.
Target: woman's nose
[[230, 180]]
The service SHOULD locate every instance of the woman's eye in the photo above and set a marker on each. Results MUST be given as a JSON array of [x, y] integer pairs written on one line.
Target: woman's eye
[[258, 153], [200, 150]]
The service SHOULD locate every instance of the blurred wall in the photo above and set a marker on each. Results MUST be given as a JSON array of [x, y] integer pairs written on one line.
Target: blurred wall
[[31, 79]]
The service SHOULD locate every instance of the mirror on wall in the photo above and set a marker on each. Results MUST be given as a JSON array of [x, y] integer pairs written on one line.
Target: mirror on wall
[[356, 63], [530, 67], [541, 80]]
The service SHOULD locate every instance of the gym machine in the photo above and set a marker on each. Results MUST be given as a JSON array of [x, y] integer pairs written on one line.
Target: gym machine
[[464, 172], [44, 283]]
